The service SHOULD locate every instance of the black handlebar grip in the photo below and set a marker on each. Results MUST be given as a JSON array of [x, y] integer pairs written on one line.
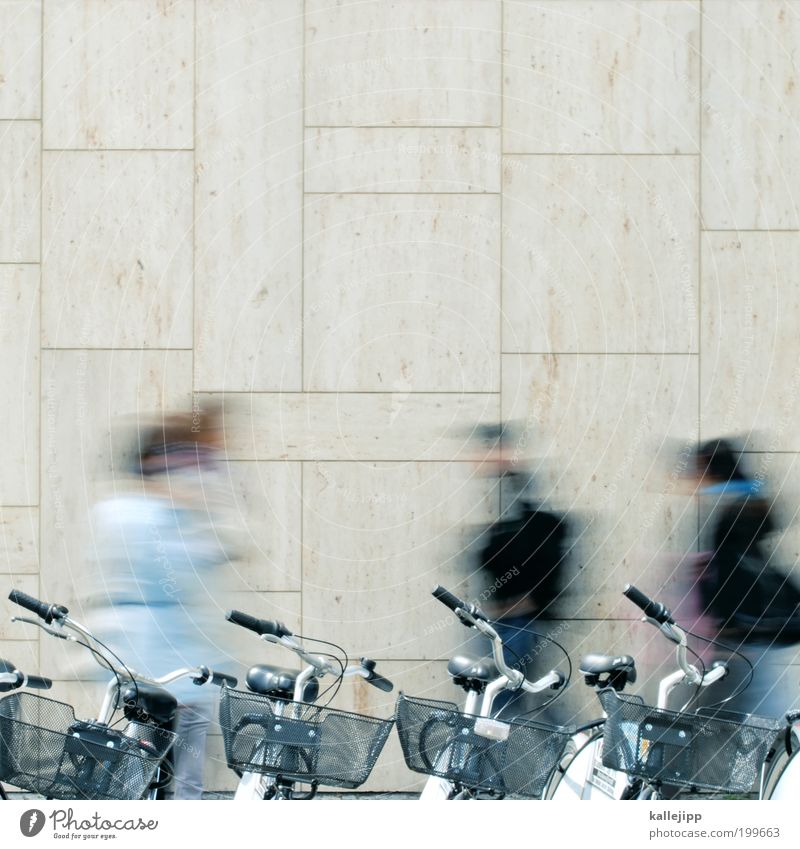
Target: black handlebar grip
[[651, 608], [259, 626], [380, 682], [448, 599], [455, 604], [36, 682], [45, 611], [220, 678]]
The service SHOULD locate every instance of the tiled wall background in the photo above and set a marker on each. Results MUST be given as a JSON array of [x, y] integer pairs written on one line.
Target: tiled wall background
[[365, 226]]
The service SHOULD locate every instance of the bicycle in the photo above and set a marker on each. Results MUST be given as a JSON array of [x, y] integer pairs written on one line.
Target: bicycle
[[44, 749], [637, 749], [467, 753], [275, 735], [12, 678]]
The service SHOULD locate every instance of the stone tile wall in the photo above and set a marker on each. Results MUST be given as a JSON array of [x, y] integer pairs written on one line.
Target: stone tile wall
[[364, 227]]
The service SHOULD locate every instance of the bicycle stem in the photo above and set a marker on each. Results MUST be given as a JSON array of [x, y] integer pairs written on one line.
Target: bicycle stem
[[316, 665], [687, 673]]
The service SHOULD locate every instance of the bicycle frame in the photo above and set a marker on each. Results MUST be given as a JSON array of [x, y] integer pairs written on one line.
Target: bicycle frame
[[585, 777], [480, 704]]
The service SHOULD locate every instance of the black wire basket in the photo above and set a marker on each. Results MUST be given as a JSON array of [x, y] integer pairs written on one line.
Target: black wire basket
[[45, 750], [707, 749], [299, 741], [495, 756]]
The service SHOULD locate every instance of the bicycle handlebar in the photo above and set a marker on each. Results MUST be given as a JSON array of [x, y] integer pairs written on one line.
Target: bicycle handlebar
[[45, 611], [37, 682], [454, 603], [220, 678], [203, 675], [372, 677], [320, 664], [473, 617], [380, 682], [655, 610], [56, 621], [661, 616], [262, 627], [12, 678]]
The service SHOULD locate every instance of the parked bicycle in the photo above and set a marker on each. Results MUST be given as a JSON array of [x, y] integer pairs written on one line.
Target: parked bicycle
[[278, 738], [44, 749], [12, 678], [468, 753], [637, 749]]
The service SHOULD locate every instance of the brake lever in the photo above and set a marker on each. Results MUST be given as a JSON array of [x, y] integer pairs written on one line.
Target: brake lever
[[665, 628], [39, 624]]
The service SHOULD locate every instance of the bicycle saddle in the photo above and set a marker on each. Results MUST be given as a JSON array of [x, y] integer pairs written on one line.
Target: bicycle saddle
[[279, 683], [620, 669], [142, 701], [472, 668]]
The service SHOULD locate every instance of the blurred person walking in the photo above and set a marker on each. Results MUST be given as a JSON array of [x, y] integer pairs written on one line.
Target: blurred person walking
[[521, 559], [744, 598], [159, 547]]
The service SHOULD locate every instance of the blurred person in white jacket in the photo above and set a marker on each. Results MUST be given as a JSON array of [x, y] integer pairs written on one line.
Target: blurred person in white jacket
[[160, 545]]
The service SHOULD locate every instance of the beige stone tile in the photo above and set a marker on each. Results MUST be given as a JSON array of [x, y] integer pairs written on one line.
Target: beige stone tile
[[19, 384], [24, 654], [249, 195], [117, 270], [16, 630], [119, 74], [356, 426], [401, 293], [750, 111], [606, 438], [20, 58], [20, 165], [266, 515], [391, 64], [388, 159], [750, 381], [600, 254], [377, 538], [92, 403], [593, 77], [19, 540]]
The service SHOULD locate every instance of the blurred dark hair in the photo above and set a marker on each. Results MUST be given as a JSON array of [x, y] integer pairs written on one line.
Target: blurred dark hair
[[720, 459], [176, 441]]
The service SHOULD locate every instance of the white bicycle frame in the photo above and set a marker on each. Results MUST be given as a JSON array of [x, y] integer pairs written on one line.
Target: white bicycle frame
[[256, 786], [787, 785], [585, 777], [440, 789]]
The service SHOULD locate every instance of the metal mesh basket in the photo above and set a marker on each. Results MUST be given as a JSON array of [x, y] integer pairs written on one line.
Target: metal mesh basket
[[508, 758], [709, 750], [45, 750], [299, 741]]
